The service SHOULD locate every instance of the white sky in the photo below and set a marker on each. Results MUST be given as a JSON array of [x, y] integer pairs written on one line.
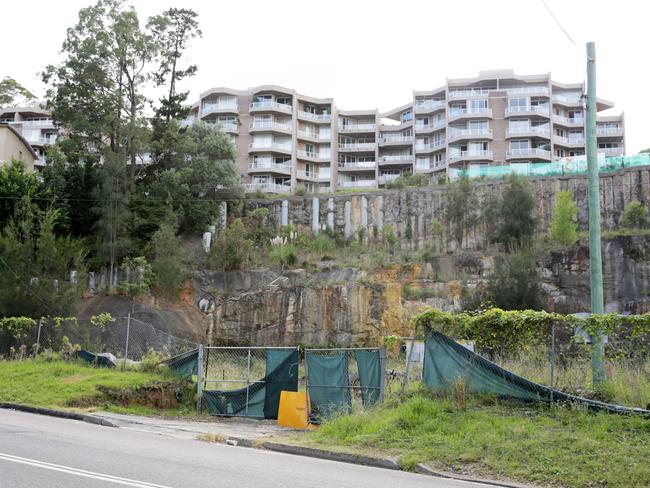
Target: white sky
[[372, 54]]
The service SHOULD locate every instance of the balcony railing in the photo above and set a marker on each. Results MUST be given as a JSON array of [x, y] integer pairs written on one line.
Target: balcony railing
[[611, 151], [533, 109], [469, 133], [396, 139], [270, 166], [432, 145], [529, 152], [269, 105], [313, 135], [358, 184], [567, 100], [386, 177], [212, 107], [569, 141], [542, 130], [463, 155], [36, 123], [463, 112], [541, 90], [609, 131], [358, 128], [365, 165], [313, 155], [272, 146], [315, 117], [357, 146], [270, 126], [453, 94], [313, 175], [436, 125], [569, 121], [268, 188], [428, 105], [228, 127], [403, 158]]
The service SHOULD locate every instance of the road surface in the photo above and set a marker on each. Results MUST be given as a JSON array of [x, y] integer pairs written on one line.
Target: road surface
[[44, 452]]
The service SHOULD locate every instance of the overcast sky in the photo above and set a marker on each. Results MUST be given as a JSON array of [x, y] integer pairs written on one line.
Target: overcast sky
[[372, 54]]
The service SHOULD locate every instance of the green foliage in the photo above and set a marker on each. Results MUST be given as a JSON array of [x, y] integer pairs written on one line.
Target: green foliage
[[564, 228], [389, 237], [285, 255], [411, 293], [139, 277], [461, 208], [166, 250], [491, 215], [408, 180], [635, 216], [517, 221], [16, 187], [513, 284], [231, 251], [258, 230], [11, 91], [322, 243]]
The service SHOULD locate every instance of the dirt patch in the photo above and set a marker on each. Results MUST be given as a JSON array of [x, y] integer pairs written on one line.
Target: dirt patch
[[156, 395]]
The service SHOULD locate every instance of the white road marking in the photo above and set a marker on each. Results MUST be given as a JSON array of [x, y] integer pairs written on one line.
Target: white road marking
[[79, 472]]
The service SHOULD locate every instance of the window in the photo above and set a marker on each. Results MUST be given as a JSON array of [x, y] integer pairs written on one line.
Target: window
[[479, 105], [310, 149], [519, 144], [478, 125], [282, 159], [263, 98], [517, 103], [576, 136], [478, 147], [284, 100], [310, 109], [407, 116], [422, 122], [518, 124], [457, 109], [437, 157], [560, 153], [324, 152]]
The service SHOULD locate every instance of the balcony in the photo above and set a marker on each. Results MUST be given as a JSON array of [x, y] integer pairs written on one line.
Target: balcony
[[458, 134], [269, 167], [358, 166], [313, 136], [312, 176], [530, 152], [470, 156], [531, 131], [432, 146], [567, 101], [36, 123], [421, 128], [357, 128], [357, 146], [470, 113], [209, 108], [462, 94], [395, 159], [319, 118], [528, 110], [610, 131], [569, 141], [270, 147], [313, 156], [388, 177], [267, 188], [228, 127], [611, 151], [40, 141], [269, 106], [528, 90], [428, 106], [575, 121], [432, 166], [358, 184], [395, 140], [269, 126]]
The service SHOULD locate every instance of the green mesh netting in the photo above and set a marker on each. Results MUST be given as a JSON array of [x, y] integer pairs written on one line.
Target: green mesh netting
[[327, 378], [262, 398], [445, 360], [369, 365], [185, 365]]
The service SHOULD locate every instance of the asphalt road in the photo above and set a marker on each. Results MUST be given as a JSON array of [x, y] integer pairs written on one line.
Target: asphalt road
[[44, 452]]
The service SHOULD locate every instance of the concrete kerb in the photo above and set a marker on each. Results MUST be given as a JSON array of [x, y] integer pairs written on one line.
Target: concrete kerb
[[423, 469], [82, 417]]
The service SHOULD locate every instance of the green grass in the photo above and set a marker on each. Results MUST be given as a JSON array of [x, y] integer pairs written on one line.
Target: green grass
[[548, 446], [60, 384]]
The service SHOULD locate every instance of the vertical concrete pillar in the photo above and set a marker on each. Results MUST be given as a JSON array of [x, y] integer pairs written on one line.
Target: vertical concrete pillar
[[379, 216], [420, 233], [284, 219], [207, 241], [315, 210], [330, 214], [347, 213], [364, 218]]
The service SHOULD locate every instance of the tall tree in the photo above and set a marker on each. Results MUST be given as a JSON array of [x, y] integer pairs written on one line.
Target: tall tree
[[11, 91], [517, 219], [461, 208]]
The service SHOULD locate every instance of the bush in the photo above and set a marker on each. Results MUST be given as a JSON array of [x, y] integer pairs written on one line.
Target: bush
[[232, 250], [517, 221], [513, 284], [564, 228], [167, 260], [285, 255], [408, 179], [635, 216], [389, 237], [461, 208], [322, 243]]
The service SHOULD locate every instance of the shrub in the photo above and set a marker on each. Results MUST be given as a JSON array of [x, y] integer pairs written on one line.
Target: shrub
[[461, 208], [635, 216], [167, 260], [564, 228], [513, 284], [232, 250], [517, 221], [285, 255], [322, 243], [389, 237]]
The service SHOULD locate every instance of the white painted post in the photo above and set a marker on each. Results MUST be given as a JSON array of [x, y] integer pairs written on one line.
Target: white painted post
[[330, 214], [285, 213], [364, 218], [38, 337], [347, 215], [126, 345], [199, 379], [315, 210]]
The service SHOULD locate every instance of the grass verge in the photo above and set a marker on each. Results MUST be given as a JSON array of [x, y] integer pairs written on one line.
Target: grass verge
[[555, 446], [75, 385]]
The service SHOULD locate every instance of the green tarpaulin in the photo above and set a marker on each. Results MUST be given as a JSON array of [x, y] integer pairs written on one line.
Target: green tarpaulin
[[260, 399], [185, 365], [104, 360], [327, 378], [445, 360], [369, 365]]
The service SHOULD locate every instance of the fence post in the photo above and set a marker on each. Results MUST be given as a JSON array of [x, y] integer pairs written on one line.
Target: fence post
[[126, 345], [382, 373], [408, 360], [38, 337], [199, 379], [552, 359], [308, 403], [248, 378]]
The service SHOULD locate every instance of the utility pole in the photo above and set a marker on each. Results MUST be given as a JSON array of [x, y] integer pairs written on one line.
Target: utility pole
[[595, 258]]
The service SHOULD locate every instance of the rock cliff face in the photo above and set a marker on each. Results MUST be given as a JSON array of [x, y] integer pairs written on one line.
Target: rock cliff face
[[350, 307]]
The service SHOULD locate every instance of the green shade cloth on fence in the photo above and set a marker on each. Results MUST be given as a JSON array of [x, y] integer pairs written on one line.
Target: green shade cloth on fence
[[369, 365], [445, 361], [105, 360], [281, 375], [328, 382], [185, 365], [260, 399]]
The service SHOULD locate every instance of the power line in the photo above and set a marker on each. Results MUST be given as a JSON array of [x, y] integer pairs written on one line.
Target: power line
[[564, 30]]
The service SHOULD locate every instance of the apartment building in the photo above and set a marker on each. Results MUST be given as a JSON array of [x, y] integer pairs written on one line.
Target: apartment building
[[287, 141], [34, 124]]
